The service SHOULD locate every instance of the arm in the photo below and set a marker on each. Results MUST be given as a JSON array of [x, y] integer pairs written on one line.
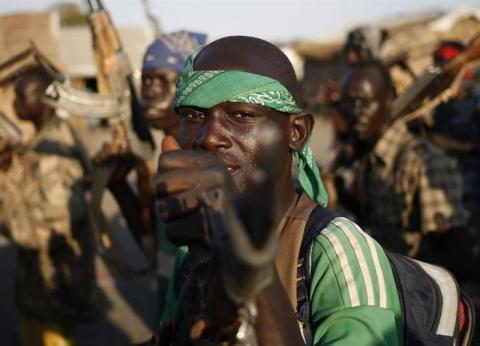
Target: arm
[[133, 208], [353, 295], [130, 207], [451, 144], [276, 323]]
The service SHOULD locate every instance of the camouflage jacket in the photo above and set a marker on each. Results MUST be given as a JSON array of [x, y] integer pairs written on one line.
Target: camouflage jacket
[[43, 205]]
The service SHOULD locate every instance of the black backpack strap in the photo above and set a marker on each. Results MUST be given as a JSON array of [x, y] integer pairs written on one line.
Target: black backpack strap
[[318, 220], [182, 274], [429, 300]]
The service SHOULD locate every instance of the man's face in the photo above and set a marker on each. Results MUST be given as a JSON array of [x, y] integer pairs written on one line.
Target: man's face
[[158, 92], [364, 104], [28, 102], [231, 131]]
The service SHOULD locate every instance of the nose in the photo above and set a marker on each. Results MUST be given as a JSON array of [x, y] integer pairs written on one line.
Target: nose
[[213, 135], [357, 110], [152, 88]]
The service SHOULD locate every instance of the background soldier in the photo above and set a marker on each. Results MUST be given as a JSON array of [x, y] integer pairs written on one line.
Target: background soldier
[[48, 219], [162, 63], [410, 191]]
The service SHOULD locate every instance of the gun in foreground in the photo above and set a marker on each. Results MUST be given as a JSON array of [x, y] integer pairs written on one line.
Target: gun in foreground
[[217, 299]]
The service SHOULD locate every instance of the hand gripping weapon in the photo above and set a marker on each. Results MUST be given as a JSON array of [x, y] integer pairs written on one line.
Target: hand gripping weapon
[[117, 102]]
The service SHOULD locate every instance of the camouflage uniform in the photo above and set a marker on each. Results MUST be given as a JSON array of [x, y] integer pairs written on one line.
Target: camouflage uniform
[[43, 204], [409, 186]]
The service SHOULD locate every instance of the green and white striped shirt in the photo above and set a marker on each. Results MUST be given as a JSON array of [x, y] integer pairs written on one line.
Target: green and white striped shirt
[[353, 294], [352, 290]]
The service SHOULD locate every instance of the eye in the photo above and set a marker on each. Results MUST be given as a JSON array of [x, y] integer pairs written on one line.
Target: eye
[[243, 116], [365, 101], [194, 116], [162, 79], [147, 81]]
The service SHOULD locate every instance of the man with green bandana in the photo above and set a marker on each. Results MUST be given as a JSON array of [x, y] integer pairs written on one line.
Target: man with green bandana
[[228, 91]]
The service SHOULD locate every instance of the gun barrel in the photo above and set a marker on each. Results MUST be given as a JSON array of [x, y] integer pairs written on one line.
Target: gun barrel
[[89, 5], [244, 236], [409, 99], [100, 5]]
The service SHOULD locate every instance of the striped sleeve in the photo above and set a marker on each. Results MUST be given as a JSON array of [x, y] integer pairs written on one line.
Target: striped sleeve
[[353, 295]]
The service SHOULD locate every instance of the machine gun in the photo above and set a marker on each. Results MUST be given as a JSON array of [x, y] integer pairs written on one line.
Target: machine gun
[[217, 298], [116, 101], [433, 82]]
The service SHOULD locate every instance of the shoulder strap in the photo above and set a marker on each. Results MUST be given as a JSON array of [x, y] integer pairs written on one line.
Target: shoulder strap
[[76, 152], [429, 298], [318, 220]]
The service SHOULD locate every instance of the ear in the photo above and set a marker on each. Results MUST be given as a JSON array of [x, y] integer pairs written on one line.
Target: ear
[[301, 126]]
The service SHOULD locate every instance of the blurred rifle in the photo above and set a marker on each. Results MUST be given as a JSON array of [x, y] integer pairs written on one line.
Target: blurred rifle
[[154, 22], [12, 67], [118, 102], [217, 300], [400, 60], [115, 77], [433, 82], [436, 85]]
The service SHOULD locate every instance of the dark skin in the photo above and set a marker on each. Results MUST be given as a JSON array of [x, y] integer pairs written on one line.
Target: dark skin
[[219, 148], [365, 103], [228, 130], [28, 104], [158, 92], [355, 55], [6, 154], [122, 163], [365, 98]]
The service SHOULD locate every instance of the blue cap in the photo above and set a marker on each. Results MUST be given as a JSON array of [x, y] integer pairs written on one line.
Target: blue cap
[[171, 50]]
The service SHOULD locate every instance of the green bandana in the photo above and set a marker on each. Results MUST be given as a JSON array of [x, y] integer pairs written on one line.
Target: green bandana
[[205, 89]]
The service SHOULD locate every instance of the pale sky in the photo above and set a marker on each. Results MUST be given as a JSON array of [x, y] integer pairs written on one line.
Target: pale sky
[[269, 19]]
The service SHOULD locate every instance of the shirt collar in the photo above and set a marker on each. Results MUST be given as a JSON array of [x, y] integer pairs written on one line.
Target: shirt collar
[[390, 144]]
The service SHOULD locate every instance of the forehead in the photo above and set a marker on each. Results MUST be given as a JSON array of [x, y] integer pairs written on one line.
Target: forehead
[[258, 58], [158, 72], [363, 82], [229, 107], [28, 82]]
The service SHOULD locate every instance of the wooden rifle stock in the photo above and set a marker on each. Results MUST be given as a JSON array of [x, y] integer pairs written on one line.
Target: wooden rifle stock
[[433, 81], [132, 130]]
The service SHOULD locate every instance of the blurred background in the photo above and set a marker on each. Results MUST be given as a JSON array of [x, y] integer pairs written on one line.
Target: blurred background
[[312, 33]]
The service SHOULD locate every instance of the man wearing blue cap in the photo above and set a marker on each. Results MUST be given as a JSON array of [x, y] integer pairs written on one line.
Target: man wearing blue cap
[[162, 64]]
